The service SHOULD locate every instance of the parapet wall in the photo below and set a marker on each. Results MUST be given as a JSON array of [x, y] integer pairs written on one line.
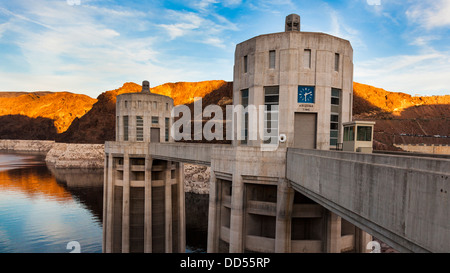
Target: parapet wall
[[403, 200]]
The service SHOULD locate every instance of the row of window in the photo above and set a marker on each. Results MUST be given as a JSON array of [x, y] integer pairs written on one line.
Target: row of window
[[148, 105], [306, 60], [271, 102], [364, 133], [334, 119], [140, 127]]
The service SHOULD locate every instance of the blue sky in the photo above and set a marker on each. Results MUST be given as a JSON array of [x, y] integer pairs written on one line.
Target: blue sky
[[399, 45]]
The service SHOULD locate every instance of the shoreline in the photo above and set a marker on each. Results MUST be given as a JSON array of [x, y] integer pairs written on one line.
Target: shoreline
[[60, 155]]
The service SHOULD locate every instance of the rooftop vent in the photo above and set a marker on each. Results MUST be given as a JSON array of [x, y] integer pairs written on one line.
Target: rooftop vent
[[145, 87], [292, 22]]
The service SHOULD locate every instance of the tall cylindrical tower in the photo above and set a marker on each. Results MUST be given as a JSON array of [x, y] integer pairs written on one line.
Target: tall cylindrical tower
[[307, 75], [143, 197]]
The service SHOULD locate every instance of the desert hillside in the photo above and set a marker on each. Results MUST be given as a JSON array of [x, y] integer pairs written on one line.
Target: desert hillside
[[66, 117], [401, 118], [40, 115]]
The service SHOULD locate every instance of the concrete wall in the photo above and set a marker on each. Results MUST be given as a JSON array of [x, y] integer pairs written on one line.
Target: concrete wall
[[404, 201], [183, 152]]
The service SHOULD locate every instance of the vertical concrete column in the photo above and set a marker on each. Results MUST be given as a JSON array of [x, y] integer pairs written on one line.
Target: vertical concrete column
[[333, 233], [285, 203], [148, 205], [168, 206], [126, 205], [237, 215], [108, 207], [362, 238], [213, 214], [179, 176]]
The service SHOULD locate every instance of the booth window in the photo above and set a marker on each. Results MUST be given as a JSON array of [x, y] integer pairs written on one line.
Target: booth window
[[349, 133], [364, 133]]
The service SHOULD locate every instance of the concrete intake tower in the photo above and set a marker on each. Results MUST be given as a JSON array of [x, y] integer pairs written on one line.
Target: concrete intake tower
[[305, 82]]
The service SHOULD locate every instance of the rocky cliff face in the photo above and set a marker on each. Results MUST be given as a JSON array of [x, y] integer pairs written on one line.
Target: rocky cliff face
[[60, 108], [401, 118], [86, 156]]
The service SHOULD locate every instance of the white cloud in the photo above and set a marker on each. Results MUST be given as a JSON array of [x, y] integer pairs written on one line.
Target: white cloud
[[340, 29], [430, 13], [203, 5], [187, 22], [76, 52], [207, 28], [215, 42], [429, 73], [3, 28]]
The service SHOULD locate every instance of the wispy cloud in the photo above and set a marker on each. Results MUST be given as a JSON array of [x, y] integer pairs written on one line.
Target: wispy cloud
[[422, 74], [430, 13], [339, 28], [203, 27], [186, 22]]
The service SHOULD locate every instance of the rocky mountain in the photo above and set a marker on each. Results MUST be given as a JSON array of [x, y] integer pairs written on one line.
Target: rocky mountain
[[40, 115], [400, 118]]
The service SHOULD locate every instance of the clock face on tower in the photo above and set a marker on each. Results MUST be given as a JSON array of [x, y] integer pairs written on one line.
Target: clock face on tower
[[306, 94]]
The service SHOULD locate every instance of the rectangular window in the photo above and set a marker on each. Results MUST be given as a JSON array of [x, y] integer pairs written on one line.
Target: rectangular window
[[334, 119], [117, 124], [139, 104], [271, 101], [349, 133], [334, 129], [155, 105], [364, 133], [336, 62], [244, 102], [167, 107], [335, 96], [126, 104], [167, 128], [245, 64], [307, 58], [139, 128], [155, 120], [125, 128], [272, 58]]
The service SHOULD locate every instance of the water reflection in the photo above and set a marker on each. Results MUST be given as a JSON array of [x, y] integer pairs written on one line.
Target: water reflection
[[43, 208], [86, 186], [38, 213]]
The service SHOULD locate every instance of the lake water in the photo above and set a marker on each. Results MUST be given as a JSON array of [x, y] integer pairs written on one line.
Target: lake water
[[43, 209]]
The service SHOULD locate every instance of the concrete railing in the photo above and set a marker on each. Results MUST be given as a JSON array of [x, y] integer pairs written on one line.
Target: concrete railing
[[399, 199], [199, 154]]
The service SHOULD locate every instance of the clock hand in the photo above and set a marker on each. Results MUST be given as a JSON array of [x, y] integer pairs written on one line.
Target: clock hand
[[306, 94]]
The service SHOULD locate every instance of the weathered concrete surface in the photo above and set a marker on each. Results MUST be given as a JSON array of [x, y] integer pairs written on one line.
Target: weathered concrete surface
[[404, 201], [41, 146], [199, 154], [63, 155]]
